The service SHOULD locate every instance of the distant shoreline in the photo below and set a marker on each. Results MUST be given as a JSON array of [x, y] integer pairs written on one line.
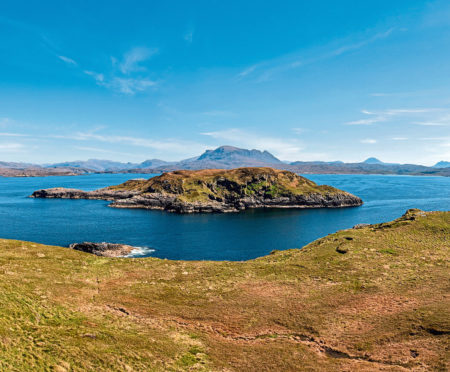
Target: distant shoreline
[[441, 172]]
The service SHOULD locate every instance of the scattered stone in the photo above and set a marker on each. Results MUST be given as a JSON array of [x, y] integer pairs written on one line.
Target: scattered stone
[[361, 225], [342, 249], [89, 335]]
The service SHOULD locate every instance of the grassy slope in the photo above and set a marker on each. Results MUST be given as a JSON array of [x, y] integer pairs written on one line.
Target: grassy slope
[[383, 305], [196, 185]]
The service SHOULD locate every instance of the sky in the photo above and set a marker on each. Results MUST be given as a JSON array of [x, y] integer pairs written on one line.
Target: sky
[[306, 80]]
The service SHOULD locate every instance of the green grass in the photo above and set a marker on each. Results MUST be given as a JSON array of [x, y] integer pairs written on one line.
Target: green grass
[[205, 185], [383, 304]]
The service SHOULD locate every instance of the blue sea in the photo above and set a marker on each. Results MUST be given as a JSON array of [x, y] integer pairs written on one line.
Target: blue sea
[[235, 236]]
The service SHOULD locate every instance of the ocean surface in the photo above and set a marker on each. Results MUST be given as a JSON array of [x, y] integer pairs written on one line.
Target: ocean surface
[[234, 236]]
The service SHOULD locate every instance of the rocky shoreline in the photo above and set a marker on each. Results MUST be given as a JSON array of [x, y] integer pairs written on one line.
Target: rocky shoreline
[[213, 191], [104, 249]]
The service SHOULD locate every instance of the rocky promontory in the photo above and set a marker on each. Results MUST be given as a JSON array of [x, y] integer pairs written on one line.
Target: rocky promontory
[[215, 190], [103, 249]]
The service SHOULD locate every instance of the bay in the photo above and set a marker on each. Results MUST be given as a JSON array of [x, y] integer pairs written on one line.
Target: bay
[[233, 236]]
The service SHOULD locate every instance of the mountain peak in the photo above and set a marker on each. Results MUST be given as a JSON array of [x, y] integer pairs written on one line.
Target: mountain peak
[[236, 154], [442, 164], [372, 161]]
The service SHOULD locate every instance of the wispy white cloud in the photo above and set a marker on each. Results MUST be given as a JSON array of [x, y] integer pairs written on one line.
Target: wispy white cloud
[[266, 70], [129, 86], [68, 60], [349, 47], [132, 59], [11, 146], [169, 147], [401, 94], [369, 141], [100, 78], [410, 111], [439, 121], [389, 114], [7, 134], [247, 71], [435, 138], [125, 76], [368, 121], [431, 123], [299, 130], [399, 138], [102, 151]]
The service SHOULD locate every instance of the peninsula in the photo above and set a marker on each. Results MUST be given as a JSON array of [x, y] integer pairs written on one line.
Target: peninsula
[[215, 190]]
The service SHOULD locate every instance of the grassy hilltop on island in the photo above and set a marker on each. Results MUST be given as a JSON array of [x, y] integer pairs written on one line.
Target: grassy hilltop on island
[[374, 298], [210, 184]]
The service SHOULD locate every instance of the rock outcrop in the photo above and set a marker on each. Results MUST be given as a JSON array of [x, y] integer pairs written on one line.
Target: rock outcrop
[[103, 249], [215, 190]]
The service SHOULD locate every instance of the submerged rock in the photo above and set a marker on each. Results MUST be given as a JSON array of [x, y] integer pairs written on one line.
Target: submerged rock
[[215, 190], [103, 249]]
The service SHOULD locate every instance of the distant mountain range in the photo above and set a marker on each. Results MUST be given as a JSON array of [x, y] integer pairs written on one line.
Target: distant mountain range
[[224, 157], [108, 165]]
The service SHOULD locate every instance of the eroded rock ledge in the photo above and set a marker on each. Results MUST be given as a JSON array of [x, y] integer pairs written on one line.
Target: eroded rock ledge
[[215, 190], [103, 249]]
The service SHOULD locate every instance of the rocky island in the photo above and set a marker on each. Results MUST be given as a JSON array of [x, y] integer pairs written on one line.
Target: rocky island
[[215, 190]]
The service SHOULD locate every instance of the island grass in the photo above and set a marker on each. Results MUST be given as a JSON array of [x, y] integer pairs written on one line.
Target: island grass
[[382, 305], [206, 185]]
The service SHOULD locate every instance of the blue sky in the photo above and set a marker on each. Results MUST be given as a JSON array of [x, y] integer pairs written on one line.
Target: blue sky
[[305, 80]]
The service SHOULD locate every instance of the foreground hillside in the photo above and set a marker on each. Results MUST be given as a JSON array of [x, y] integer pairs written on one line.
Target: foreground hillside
[[215, 190], [367, 299]]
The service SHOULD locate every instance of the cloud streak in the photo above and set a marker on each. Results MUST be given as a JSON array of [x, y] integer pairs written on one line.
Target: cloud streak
[[369, 141], [11, 146], [408, 113], [68, 60], [266, 70], [125, 77], [132, 59]]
